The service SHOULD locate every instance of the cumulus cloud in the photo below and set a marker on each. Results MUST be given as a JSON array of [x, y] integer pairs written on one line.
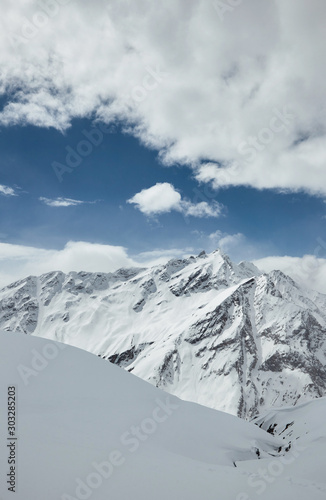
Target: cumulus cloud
[[164, 198], [157, 199], [237, 94], [202, 209], [7, 191], [62, 202]]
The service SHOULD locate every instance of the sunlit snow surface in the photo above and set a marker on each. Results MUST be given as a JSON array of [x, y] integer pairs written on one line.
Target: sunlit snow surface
[[74, 410]]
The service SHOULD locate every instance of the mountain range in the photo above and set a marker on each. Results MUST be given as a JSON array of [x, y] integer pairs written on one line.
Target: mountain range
[[203, 328]]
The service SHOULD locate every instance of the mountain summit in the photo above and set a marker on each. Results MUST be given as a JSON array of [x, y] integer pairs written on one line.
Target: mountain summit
[[203, 328]]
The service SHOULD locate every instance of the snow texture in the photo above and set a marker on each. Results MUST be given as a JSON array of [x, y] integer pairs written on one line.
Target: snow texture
[[76, 417]]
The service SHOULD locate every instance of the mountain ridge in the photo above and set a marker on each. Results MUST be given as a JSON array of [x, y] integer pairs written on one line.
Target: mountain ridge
[[203, 328]]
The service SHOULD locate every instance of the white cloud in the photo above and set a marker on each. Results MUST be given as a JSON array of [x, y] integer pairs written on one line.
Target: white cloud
[[309, 271], [163, 198], [236, 246], [18, 261], [62, 202], [202, 209], [7, 191], [161, 255], [226, 242], [196, 88], [157, 199]]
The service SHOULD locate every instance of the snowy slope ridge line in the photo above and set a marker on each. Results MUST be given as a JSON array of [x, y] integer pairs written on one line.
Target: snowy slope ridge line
[[204, 329], [87, 429]]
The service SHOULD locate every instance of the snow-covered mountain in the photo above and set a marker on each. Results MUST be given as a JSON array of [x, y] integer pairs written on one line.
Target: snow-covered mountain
[[204, 329], [87, 429]]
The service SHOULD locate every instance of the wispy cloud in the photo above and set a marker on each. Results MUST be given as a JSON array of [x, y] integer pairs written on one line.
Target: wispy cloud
[[63, 202], [164, 198], [227, 242], [162, 255], [7, 191], [236, 245]]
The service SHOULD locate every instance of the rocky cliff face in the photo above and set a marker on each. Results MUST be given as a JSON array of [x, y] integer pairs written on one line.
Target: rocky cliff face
[[202, 328]]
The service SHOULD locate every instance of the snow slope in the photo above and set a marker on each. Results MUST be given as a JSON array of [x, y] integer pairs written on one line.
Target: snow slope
[[204, 329], [87, 429]]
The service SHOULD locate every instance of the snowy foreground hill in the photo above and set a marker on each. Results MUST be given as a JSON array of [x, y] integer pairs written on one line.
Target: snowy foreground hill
[[87, 429], [204, 329]]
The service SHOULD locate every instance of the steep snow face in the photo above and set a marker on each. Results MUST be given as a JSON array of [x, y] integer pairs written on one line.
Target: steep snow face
[[87, 429], [79, 419], [304, 429], [304, 423], [204, 329]]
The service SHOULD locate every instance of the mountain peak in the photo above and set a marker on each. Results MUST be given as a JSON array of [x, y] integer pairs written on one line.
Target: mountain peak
[[203, 328]]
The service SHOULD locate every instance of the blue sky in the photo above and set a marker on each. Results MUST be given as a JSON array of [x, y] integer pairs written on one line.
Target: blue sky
[[117, 169], [209, 137]]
